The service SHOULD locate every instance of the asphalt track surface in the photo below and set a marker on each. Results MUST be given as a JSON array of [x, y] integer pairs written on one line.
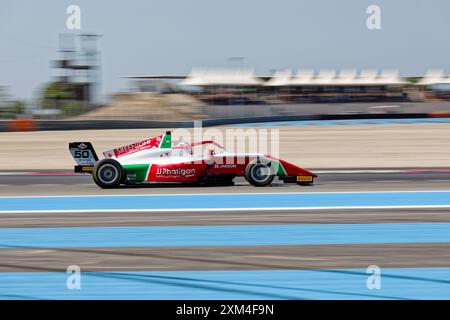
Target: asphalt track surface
[[19, 263], [331, 181]]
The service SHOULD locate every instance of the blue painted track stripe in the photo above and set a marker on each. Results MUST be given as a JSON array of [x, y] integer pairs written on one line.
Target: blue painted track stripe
[[224, 235], [218, 201], [407, 283]]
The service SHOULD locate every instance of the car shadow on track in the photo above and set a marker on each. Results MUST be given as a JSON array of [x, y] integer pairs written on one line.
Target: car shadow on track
[[172, 185]]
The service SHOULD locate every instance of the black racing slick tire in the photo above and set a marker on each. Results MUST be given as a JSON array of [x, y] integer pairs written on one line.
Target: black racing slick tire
[[108, 173], [259, 174]]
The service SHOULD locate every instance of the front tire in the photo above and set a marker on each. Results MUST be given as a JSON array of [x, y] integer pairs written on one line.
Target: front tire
[[108, 173], [259, 174]]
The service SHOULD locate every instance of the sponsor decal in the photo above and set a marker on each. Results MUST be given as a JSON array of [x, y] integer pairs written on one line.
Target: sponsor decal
[[304, 178], [131, 176], [176, 172], [82, 146], [151, 143], [225, 166]]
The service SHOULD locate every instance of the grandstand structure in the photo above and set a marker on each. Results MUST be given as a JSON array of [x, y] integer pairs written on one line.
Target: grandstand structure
[[435, 85], [243, 86]]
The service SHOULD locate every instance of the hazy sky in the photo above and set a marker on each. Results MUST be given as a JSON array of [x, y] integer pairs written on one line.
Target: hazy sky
[[172, 36]]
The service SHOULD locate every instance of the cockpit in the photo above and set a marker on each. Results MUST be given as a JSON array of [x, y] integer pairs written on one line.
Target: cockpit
[[198, 149]]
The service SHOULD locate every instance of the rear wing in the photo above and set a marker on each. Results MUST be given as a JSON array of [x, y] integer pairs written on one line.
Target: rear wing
[[84, 155]]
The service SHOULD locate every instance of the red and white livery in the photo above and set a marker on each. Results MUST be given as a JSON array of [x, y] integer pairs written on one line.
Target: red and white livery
[[155, 160]]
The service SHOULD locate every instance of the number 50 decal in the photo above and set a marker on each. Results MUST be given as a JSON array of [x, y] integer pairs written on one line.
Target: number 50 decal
[[82, 154]]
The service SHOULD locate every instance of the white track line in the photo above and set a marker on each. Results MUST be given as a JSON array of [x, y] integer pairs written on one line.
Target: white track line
[[223, 194], [229, 209]]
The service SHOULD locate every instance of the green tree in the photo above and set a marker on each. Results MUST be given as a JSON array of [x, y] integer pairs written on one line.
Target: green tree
[[19, 107], [56, 93]]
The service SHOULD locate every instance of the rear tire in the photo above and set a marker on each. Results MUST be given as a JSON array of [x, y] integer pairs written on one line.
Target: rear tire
[[259, 174], [108, 173]]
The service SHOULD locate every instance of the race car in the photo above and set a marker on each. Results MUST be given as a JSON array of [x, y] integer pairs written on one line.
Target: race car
[[155, 160]]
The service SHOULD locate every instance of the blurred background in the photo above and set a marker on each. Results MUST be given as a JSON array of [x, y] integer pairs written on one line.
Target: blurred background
[[165, 60]]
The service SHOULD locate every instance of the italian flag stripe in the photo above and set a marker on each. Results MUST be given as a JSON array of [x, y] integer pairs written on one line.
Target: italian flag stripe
[[137, 172]]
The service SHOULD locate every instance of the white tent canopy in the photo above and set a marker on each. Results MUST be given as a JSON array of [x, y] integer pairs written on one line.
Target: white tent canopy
[[325, 77], [331, 78], [280, 78], [303, 77], [222, 77], [346, 77], [367, 77], [434, 77], [390, 77]]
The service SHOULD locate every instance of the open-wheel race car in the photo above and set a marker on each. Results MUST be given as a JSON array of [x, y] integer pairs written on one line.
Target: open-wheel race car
[[155, 160]]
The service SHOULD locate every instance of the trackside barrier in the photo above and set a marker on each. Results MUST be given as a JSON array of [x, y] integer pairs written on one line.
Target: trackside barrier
[[22, 125], [61, 125], [440, 115]]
